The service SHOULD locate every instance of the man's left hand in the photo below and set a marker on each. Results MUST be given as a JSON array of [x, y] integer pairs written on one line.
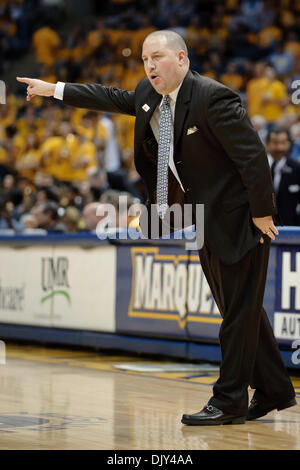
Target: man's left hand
[[266, 226]]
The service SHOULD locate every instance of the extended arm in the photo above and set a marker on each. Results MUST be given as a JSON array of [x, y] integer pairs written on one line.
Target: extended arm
[[91, 96], [100, 98]]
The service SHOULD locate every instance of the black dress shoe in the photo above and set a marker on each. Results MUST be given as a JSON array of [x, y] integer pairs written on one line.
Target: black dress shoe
[[258, 409], [211, 415]]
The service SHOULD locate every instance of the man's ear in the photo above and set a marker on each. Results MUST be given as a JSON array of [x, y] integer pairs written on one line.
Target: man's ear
[[182, 57]]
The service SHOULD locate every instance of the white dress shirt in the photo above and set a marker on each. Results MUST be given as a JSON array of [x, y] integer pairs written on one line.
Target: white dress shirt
[[277, 170], [154, 122], [59, 91]]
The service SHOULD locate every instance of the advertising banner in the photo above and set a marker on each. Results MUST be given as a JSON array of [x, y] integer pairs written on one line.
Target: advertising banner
[[286, 322], [162, 291], [58, 286], [21, 286]]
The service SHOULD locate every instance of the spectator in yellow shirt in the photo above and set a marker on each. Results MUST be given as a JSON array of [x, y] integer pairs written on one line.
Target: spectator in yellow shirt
[[46, 43], [97, 36], [256, 88], [292, 44], [91, 128], [269, 35], [275, 98], [57, 152], [83, 160], [28, 163], [231, 78], [30, 123]]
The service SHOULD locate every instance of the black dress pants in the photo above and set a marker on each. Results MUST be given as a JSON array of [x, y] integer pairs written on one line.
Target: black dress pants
[[250, 354]]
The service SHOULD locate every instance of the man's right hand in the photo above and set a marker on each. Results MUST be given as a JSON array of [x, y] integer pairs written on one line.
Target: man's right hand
[[37, 87]]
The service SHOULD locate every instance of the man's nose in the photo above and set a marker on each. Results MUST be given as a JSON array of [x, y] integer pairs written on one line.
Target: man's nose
[[150, 65]]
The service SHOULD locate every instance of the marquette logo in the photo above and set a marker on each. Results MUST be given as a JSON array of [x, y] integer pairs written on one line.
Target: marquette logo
[[55, 278], [170, 287]]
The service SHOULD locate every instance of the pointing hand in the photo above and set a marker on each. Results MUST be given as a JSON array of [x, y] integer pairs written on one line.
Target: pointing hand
[[37, 87]]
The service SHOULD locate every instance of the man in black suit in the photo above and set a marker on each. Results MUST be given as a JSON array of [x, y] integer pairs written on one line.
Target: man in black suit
[[286, 176], [214, 157]]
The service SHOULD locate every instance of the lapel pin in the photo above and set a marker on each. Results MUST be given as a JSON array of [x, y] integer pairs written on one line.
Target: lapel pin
[[146, 107]]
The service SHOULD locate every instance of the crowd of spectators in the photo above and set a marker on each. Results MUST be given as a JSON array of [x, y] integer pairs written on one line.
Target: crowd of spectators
[[56, 162], [18, 21]]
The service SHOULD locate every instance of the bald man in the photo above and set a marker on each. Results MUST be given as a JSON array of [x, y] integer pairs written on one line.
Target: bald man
[[196, 130], [90, 217]]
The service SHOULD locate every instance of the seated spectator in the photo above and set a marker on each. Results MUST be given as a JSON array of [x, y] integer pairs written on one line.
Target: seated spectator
[[29, 161], [121, 202], [256, 88], [7, 216], [97, 37], [232, 78], [286, 176], [71, 219], [269, 35], [29, 222], [46, 43], [275, 98], [48, 218], [292, 45], [9, 182], [90, 218], [58, 150], [81, 161]]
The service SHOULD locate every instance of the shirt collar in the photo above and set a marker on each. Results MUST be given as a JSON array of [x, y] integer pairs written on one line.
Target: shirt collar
[[173, 94], [280, 164]]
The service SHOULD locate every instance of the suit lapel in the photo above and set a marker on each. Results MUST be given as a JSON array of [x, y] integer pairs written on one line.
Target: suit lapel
[[148, 103], [182, 106], [150, 98], [285, 173]]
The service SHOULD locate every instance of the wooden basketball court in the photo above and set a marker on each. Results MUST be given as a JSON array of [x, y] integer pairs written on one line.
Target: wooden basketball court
[[64, 399]]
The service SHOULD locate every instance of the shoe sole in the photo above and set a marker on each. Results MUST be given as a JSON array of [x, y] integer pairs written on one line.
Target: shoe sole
[[237, 420], [280, 407]]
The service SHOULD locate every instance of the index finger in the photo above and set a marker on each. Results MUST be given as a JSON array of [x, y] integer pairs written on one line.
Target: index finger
[[24, 80]]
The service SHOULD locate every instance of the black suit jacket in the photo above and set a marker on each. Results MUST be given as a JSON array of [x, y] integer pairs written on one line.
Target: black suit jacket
[[222, 165], [288, 193]]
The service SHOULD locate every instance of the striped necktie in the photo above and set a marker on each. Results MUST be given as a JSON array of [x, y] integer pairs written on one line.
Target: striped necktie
[[164, 140]]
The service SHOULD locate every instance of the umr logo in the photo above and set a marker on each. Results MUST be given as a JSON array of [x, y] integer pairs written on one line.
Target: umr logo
[[55, 277]]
